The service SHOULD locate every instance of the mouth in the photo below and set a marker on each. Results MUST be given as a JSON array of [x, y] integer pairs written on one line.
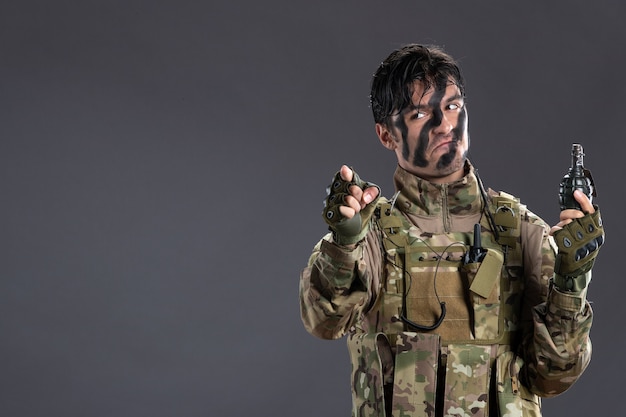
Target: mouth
[[445, 142]]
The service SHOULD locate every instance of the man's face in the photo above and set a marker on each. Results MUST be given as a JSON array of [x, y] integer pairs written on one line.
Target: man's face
[[430, 136]]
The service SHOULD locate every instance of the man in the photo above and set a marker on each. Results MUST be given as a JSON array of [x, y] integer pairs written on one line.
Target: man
[[448, 293]]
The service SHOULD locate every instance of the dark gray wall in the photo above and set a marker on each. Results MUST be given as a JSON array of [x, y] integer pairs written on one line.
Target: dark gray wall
[[163, 165]]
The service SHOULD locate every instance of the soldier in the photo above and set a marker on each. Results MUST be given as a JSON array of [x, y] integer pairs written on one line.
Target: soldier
[[455, 300]]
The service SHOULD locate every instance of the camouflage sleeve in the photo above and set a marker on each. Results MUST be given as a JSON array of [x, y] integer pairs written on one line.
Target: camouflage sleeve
[[556, 345], [338, 285]]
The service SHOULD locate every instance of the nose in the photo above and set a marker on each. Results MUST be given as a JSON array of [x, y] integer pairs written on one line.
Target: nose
[[445, 126]]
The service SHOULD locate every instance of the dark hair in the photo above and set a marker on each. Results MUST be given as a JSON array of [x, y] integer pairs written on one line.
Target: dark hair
[[392, 84]]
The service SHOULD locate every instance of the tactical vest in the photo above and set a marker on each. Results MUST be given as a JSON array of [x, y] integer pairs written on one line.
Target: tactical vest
[[455, 368]]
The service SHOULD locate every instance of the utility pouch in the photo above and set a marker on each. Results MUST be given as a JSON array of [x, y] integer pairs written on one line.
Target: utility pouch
[[514, 399], [415, 380], [467, 379], [483, 279], [507, 217]]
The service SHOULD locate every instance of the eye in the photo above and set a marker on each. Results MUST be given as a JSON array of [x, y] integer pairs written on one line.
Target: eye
[[454, 106], [418, 115]]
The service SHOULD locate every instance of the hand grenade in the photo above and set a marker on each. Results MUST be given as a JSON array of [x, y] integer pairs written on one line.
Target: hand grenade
[[577, 178]]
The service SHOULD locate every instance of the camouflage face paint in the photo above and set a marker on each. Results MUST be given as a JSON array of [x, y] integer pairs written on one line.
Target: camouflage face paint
[[434, 103], [439, 112], [418, 158], [457, 133], [400, 124]]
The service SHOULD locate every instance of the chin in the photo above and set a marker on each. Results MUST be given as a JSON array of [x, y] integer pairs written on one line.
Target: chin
[[449, 164]]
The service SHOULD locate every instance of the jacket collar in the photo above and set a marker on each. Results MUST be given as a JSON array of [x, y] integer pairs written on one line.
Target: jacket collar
[[417, 196]]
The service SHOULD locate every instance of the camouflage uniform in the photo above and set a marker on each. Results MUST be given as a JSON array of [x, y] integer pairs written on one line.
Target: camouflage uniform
[[508, 337]]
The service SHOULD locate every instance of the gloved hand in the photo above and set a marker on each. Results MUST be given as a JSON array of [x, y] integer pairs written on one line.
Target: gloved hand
[[349, 206], [578, 236]]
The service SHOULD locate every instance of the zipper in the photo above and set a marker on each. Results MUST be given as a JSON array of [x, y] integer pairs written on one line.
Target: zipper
[[445, 216]]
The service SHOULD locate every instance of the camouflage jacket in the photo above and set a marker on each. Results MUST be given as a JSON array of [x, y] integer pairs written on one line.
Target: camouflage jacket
[[507, 336]]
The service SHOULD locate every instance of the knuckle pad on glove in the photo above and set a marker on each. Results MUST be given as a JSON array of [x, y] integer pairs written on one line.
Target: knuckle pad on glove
[[579, 243], [346, 230]]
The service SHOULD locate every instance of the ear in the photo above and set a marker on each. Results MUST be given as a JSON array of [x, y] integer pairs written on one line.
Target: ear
[[387, 139]]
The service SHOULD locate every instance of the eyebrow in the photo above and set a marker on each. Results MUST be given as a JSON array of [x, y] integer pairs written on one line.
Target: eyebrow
[[422, 105], [454, 97]]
